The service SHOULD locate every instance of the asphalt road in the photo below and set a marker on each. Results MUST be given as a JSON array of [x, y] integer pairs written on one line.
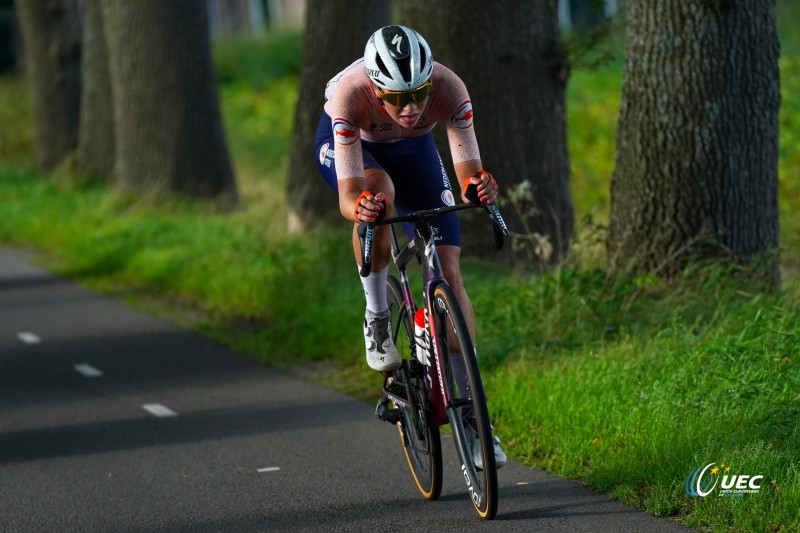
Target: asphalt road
[[111, 420]]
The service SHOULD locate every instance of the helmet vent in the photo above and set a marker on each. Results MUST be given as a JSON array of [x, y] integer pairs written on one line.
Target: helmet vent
[[382, 66], [405, 68]]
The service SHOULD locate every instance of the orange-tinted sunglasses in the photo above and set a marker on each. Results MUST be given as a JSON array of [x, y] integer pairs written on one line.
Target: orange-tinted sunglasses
[[401, 98]]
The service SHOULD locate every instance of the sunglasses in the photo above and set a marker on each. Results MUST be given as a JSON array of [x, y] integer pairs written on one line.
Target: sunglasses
[[401, 98]]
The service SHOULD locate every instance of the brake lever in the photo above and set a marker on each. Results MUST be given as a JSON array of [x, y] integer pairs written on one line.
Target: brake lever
[[498, 224], [365, 231]]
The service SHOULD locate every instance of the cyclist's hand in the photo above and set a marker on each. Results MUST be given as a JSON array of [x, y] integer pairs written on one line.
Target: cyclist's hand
[[369, 207], [487, 190]]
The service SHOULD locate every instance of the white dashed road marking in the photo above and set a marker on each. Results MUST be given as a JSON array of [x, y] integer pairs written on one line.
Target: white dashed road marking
[[29, 338], [269, 469], [159, 410], [88, 370]]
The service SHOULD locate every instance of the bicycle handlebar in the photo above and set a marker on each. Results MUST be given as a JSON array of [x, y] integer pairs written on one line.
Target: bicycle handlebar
[[366, 230]]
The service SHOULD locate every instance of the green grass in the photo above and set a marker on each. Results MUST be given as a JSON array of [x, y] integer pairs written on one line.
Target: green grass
[[625, 385], [638, 386]]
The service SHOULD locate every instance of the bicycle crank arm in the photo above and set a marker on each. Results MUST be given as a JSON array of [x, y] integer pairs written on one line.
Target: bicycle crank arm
[[386, 413]]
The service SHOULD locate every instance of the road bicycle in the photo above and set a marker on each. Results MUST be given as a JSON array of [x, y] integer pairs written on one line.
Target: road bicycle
[[439, 381]]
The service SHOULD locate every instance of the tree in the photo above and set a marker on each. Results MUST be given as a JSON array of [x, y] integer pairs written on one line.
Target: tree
[[515, 69], [697, 140], [96, 146], [167, 123], [51, 36], [334, 37]]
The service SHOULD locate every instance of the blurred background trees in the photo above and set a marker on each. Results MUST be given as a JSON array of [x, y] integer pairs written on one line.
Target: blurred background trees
[[696, 164], [696, 172], [150, 101], [167, 123], [96, 134], [52, 33]]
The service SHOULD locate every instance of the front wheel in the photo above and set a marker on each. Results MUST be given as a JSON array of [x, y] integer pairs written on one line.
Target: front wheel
[[468, 414], [421, 442]]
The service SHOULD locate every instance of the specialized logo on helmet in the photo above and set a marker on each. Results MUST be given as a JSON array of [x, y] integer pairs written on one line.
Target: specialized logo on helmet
[[397, 41], [397, 58], [344, 132], [462, 118]]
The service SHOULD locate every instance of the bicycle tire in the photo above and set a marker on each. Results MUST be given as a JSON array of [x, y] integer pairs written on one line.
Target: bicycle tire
[[423, 453], [467, 410]]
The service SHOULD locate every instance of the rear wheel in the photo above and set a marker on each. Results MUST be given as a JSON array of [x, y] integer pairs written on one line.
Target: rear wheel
[[468, 414], [421, 442]]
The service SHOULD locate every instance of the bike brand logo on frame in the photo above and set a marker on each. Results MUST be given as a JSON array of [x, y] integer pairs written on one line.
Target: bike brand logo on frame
[[703, 480]]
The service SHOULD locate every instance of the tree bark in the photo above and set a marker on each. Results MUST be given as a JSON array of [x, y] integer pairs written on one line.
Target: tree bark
[[168, 126], [515, 69], [96, 146], [334, 37], [51, 36], [696, 170]]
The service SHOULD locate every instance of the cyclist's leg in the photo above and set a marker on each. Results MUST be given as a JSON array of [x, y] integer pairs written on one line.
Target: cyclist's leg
[[381, 353], [450, 257]]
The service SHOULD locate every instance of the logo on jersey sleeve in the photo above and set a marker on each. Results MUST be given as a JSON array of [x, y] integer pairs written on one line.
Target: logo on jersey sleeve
[[344, 132], [462, 118]]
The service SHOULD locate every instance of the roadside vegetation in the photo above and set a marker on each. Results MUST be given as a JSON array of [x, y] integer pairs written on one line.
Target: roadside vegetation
[[624, 384]]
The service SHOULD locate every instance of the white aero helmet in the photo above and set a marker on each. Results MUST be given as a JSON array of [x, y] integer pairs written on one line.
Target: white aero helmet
[[397, 58]]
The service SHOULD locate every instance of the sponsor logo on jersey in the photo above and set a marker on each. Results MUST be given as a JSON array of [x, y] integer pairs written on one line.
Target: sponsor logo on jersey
[[323, 152], [448, 198], [344, 133], [462, 118], [326, 155]]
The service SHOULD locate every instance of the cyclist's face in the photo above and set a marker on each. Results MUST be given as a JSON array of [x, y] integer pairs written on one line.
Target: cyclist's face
[[408, 115]]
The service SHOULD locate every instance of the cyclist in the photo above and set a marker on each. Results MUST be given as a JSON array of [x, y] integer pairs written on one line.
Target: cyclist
[[374, 145]]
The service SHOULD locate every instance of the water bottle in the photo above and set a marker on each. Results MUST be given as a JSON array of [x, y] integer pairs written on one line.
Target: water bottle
[[421, 337]]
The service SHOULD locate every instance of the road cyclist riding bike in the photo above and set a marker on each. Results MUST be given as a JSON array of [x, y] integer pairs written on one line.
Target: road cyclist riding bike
[[375, 147]]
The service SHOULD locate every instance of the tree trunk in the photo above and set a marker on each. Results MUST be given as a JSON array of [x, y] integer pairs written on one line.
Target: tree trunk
[[697, 143], [168, 127], [514, 67], [96, 147], [327, 49], [51, 36]]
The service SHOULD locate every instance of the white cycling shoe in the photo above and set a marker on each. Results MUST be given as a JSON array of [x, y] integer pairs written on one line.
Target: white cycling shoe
[[500, 458], [381, 352]]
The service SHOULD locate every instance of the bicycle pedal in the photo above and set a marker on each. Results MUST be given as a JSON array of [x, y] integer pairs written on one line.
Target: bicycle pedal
[[386, 413]]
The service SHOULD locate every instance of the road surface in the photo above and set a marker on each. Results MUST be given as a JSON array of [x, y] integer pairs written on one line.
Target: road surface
[[111, 420]]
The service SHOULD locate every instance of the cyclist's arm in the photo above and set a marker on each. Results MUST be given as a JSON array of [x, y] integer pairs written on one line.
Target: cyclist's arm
[[472, 170], [355, 204]]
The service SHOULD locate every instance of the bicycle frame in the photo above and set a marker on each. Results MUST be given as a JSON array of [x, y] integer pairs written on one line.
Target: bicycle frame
[[423, 247]]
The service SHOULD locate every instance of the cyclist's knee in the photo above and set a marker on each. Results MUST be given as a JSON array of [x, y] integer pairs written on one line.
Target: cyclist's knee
[[377, 181], [450, 257]]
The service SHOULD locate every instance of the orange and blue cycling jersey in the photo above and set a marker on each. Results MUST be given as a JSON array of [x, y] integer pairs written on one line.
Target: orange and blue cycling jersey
[[355, 133]]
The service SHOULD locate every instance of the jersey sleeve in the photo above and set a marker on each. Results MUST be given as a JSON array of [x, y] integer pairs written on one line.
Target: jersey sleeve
[[346, 116], [347, 148], [456, 110]]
